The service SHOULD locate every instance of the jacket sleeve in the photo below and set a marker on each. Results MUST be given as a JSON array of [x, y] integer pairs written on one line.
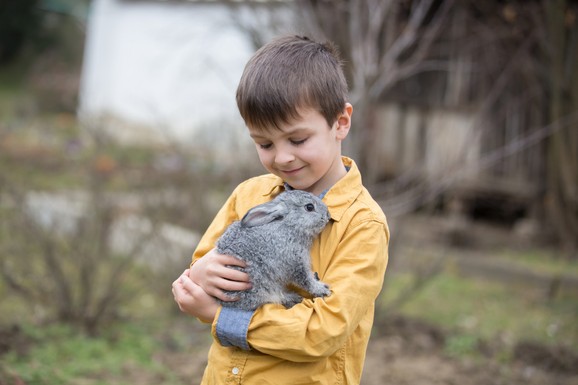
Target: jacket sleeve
[[319, 327]]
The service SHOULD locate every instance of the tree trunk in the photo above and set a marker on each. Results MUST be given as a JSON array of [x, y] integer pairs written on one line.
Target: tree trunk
[[562, 88]]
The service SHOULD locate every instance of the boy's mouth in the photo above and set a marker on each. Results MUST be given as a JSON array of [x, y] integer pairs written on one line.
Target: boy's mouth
[[292, 171]]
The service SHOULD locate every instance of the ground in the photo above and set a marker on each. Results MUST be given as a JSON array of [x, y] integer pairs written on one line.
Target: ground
[[411, 352], [402, 350]]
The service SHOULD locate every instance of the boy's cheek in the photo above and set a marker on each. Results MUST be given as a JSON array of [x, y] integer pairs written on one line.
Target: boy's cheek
[[263, 157]]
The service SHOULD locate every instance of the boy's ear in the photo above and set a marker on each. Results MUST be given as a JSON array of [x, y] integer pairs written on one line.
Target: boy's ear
[[344, 121]]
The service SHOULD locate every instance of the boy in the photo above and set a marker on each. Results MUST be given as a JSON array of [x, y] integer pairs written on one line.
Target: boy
[[292, 96]]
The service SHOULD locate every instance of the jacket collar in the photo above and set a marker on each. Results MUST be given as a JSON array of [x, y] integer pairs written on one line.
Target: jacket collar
[[343, 193], [339, 197]]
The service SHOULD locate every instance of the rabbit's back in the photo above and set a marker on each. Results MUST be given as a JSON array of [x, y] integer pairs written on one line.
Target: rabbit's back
[[274, 249]]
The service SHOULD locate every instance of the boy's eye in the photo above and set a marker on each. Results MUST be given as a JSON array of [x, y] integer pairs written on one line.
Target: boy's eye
[[298, 142], [309, 207], [265, 146]]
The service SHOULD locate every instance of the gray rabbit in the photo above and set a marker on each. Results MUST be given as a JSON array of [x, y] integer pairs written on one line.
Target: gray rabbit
[[275, 239]]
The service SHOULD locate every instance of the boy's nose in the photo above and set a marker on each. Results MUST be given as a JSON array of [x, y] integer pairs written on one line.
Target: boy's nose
[[284, 156]]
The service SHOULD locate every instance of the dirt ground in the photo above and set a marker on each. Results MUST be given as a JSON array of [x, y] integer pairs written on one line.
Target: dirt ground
[[406, 351]]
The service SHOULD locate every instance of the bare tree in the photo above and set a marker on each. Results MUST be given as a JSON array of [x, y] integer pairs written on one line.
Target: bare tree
[[525, 56], [512, 64], [560, 49], [382, 43]]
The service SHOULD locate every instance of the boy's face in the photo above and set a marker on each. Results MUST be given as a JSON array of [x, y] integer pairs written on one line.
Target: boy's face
[[305, 153]]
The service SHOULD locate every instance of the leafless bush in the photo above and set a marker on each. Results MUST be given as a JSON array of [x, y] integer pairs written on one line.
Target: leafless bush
[[81, 255]]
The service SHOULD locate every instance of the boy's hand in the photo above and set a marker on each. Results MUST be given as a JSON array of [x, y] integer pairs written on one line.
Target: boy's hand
[[193, 300], [211, 272]]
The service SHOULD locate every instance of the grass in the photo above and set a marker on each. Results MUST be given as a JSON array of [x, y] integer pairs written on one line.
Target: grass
[[546, 261], [476, 309], [470, 310], [60, 355]]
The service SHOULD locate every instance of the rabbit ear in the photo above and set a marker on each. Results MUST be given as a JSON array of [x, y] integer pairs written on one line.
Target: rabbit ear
[[263, 214]]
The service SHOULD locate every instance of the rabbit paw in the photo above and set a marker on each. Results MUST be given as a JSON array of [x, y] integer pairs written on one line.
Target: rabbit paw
[[320, 289]]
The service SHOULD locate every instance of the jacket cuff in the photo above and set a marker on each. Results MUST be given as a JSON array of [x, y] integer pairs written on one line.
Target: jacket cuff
[[232, 327]]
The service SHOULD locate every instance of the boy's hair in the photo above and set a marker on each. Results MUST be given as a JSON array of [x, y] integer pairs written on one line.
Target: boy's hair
[[288, 74]]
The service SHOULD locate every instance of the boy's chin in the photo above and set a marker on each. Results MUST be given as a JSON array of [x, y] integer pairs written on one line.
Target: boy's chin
[[304, 187]]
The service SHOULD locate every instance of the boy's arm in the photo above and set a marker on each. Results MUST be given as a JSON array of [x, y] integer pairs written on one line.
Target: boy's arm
[[319, 327]]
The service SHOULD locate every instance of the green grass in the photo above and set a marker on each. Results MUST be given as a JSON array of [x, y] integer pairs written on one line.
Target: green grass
[[60, 355], [542, 260], [480, 309]]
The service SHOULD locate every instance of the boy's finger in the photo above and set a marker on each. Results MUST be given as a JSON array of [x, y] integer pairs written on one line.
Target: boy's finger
[[187, 283], [178, 292], [230, 285], [235, 275], [232, 261]]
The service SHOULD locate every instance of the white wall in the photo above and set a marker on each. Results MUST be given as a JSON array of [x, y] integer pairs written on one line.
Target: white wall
[[164, 69]]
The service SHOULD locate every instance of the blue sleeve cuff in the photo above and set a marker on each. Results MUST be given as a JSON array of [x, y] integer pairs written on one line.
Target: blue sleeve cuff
[[232, 327]]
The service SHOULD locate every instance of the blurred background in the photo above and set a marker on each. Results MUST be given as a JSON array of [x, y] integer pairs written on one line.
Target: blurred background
[[120, 139]]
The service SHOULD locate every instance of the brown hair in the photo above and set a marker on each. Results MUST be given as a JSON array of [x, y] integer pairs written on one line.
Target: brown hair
[[287, 74]]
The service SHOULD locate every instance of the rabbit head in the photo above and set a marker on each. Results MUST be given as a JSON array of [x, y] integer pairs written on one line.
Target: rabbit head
[[299, 210]]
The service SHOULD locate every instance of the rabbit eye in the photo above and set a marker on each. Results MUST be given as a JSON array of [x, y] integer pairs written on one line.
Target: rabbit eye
[[309, 207]]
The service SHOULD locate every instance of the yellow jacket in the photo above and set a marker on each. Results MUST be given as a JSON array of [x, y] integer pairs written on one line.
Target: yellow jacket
[[319, 341]]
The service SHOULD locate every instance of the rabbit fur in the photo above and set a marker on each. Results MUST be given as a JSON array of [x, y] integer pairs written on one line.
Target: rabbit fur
[[274, 239]]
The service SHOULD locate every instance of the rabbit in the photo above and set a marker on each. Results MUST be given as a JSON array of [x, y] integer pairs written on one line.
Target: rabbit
[[274, 239]]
